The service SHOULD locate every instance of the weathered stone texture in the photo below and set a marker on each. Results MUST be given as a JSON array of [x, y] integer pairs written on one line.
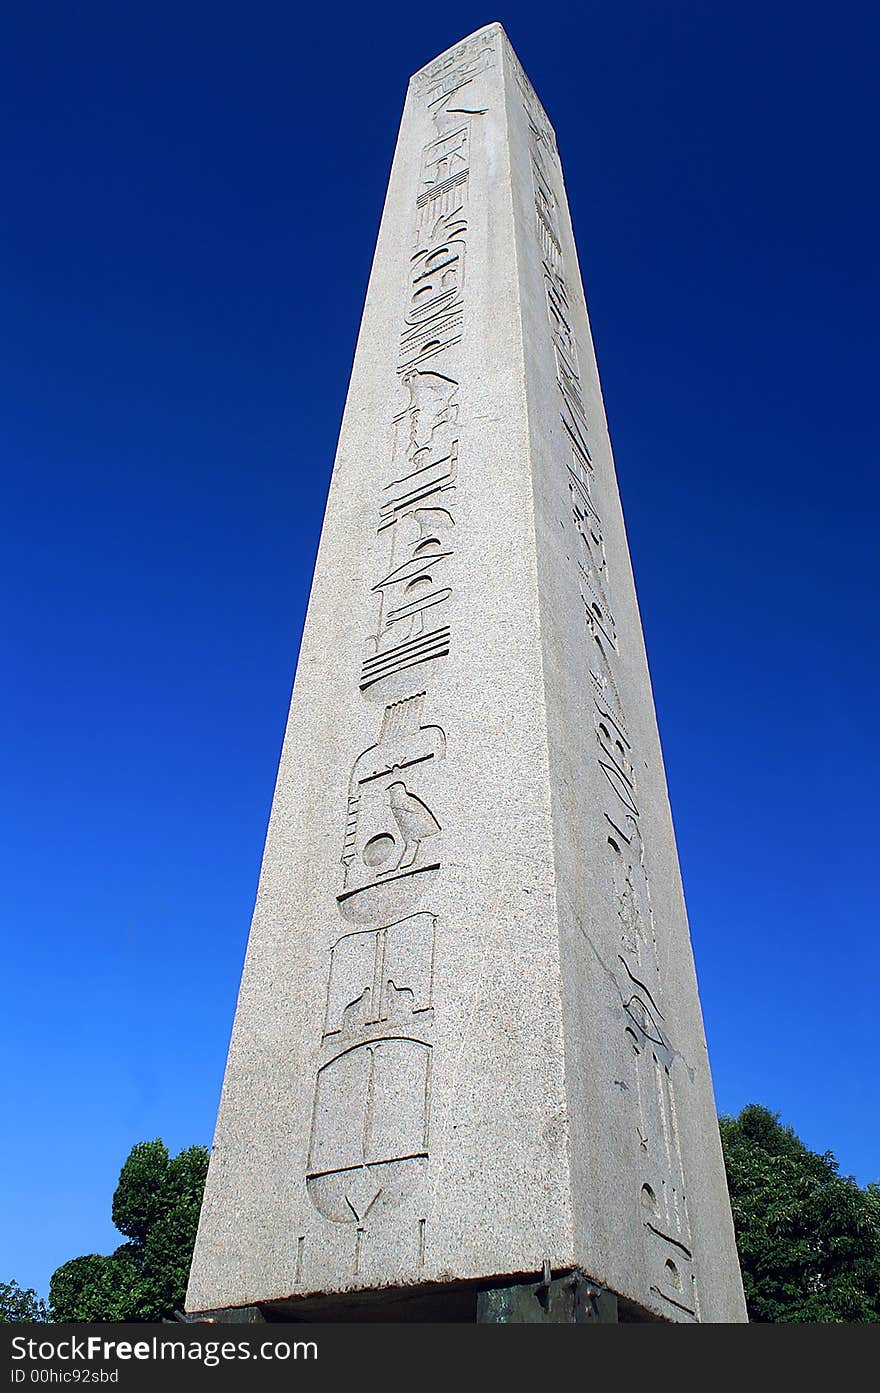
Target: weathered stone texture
[[468, 1037]]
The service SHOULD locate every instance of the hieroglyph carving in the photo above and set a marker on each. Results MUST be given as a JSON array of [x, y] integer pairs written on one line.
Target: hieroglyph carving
[[648, 1058], [379, 976], [541, 131], [391, 845], [445, 78], [416, 527], [433, 317], [368, 1148], [369, 1134]]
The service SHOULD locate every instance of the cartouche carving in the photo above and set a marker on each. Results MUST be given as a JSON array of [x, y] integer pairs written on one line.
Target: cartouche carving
[[369, 1142]]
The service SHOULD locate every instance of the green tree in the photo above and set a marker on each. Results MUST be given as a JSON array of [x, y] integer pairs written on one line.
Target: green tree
[[20, 1304], [808, 1237], [156, 1206]]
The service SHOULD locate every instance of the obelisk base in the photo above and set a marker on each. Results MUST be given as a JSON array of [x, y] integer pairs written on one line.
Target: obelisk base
[[569, 1298]]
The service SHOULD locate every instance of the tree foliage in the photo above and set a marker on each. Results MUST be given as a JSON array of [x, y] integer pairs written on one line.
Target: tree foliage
[[20, 1304], [156, 1206], [808, 1237]]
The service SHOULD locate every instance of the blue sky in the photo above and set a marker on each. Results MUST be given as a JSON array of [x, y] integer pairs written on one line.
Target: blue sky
[[192, 194]]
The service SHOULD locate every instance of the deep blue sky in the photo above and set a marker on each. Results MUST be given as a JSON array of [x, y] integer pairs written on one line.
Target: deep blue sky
[[191, 195]]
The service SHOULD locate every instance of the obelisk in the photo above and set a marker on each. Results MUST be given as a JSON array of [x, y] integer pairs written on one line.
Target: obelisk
[[468, 1050]]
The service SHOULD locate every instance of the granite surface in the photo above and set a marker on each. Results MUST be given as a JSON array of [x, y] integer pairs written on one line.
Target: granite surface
[[468, 1038]]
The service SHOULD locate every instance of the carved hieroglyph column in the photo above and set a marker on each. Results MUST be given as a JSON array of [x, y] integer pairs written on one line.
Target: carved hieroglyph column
[[468, 1038]]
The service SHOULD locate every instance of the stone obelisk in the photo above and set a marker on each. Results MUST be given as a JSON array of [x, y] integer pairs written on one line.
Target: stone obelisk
[[468, 1050]]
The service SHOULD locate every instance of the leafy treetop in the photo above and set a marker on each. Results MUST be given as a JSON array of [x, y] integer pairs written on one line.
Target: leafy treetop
[[156, 1206], [20, 1304], [808, 1237]]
